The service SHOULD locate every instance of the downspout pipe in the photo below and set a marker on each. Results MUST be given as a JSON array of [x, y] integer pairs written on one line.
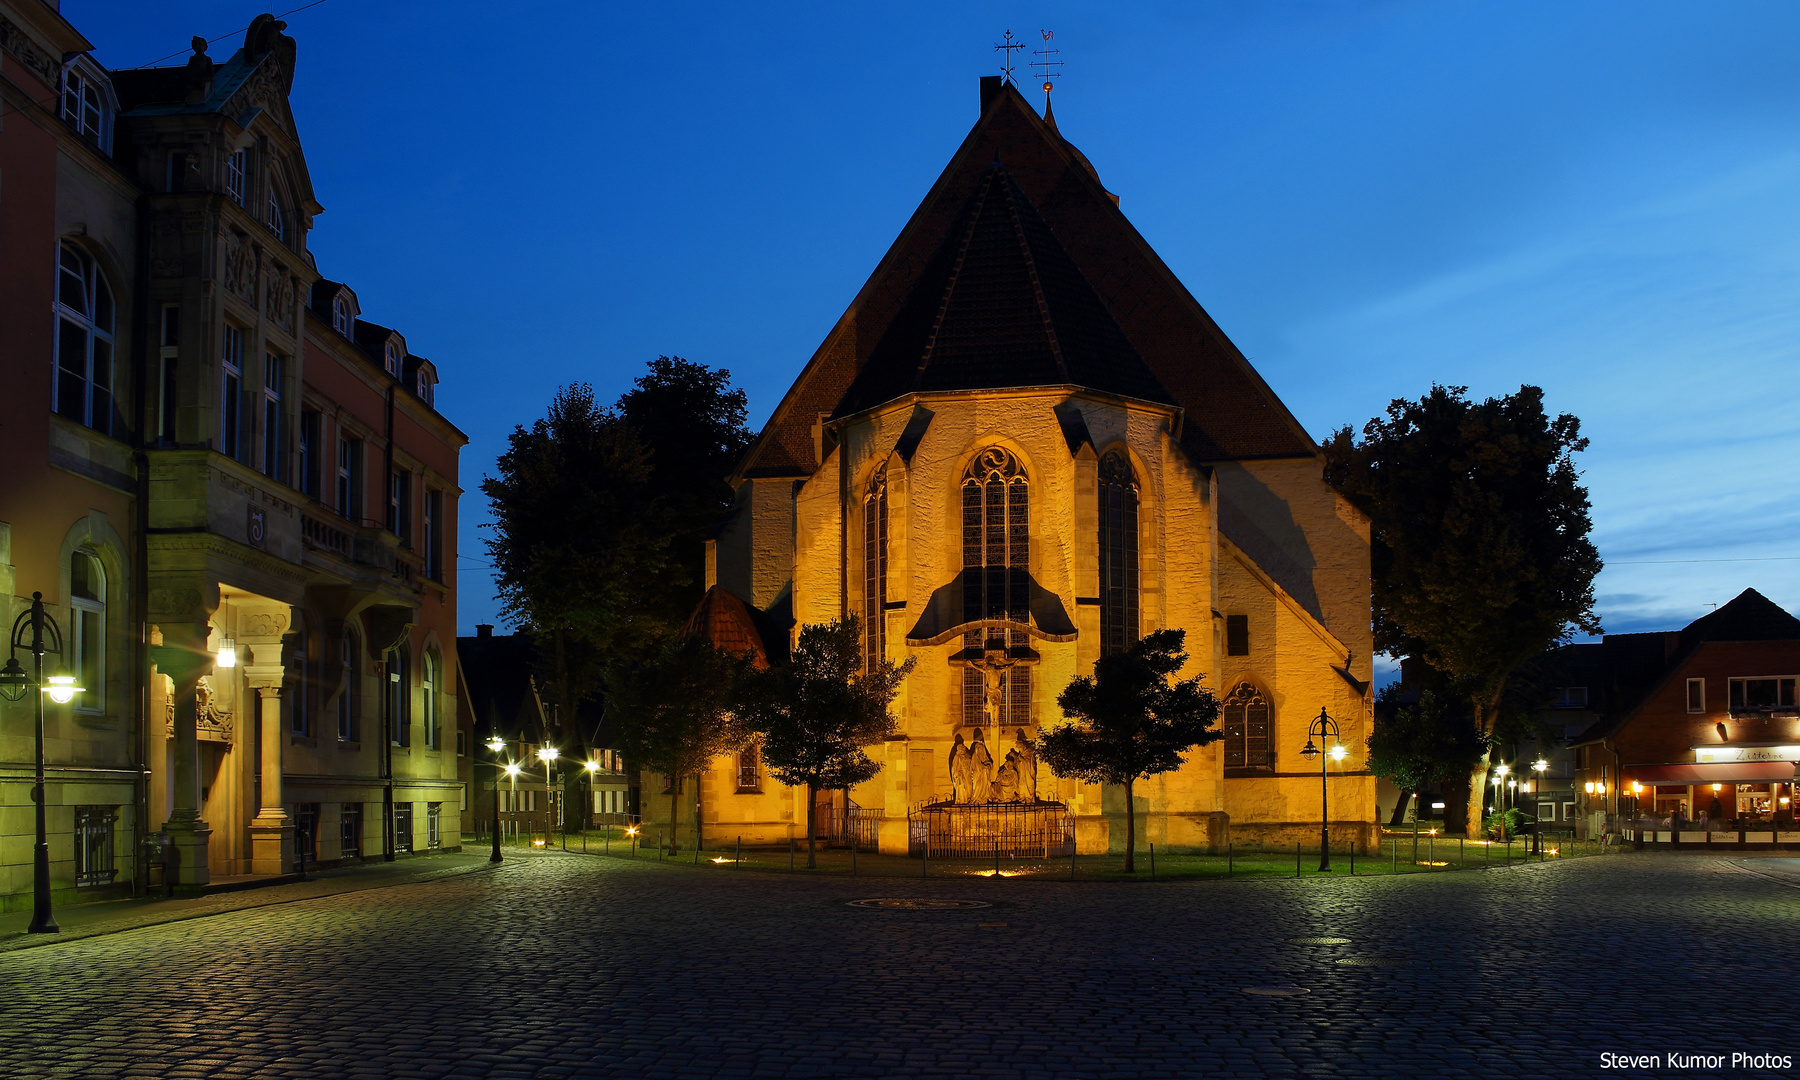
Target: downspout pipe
[[139, 659]]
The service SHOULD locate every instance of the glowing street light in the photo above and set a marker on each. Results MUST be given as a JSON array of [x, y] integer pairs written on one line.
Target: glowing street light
[[1324, 727], [548, 755], [45, 636]]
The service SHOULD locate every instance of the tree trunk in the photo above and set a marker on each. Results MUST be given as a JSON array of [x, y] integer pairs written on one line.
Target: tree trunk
[[698, 838], [1398, 817], [812, 805], [1485, 708], [674, 809], [1130, 830]]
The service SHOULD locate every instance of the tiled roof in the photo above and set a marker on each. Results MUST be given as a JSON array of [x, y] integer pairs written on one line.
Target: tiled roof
[[1001, 305], [1750, 616], [1229, 412], [726, 621]]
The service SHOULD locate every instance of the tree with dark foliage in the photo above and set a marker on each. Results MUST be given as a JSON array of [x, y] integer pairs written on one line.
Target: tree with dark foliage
[[1479, 535], [1129, 721]]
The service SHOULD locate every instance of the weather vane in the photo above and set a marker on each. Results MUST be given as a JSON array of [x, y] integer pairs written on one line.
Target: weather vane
[[1005, 49], [1048, 64]]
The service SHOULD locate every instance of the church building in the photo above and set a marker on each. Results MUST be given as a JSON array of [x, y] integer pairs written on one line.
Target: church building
[[1022, 447]]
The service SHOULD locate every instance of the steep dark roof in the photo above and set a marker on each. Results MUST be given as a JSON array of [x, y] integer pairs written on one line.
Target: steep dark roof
[[735, 627], [1229, 412], [1001, 305], [497, 672], [1750, 616]]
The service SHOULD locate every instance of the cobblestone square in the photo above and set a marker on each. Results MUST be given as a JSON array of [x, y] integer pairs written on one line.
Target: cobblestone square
[[570, 966]]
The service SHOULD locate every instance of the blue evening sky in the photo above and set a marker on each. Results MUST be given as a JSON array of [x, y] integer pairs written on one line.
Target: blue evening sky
[[1602, 199]]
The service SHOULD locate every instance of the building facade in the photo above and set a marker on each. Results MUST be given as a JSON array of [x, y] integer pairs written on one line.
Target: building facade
[[238, 492], [1699, 725], [1023, 446]]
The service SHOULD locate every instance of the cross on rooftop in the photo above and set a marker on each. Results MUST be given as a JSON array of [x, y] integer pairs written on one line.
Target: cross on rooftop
[[1005, 49], [1047, 64]]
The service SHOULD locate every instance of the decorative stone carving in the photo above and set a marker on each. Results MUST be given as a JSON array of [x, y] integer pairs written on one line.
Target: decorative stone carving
[[240, 267], [263, 625], [178, 603], [213, 724], [25, 51], [165, 250], [279, 302]]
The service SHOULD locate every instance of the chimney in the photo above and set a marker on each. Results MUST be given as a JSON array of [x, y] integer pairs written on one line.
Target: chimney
[[990, 89], [484, 630]]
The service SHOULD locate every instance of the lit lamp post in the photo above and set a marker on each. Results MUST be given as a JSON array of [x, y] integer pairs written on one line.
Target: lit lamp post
[[495, 745], [1500, 772], [587, 811], [547, 755], [1540, 766], [1324, 728], [513, 770], [45, 636]]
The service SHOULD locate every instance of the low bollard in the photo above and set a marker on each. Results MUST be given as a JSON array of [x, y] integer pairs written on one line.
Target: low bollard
[[1296, 860], [1230, 858], [1396, 868], [853, 859], [737, 855], [790, 854], [1152, 862], [925, 860]]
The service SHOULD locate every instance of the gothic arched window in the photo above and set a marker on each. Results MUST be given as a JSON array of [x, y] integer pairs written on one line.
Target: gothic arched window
[[996, 537], [1246, 716], [875, 562], [84, 341], [1118, 554], [87, 626]]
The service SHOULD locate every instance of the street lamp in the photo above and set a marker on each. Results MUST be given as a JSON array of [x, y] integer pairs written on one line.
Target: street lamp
[[548, 755], [1324, 728], [513, 769], [592, 766], [1540, 766], [45, 637], [495, 745]]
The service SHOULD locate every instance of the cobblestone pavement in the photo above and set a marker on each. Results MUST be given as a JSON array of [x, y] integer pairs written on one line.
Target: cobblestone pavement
[[564, 966]]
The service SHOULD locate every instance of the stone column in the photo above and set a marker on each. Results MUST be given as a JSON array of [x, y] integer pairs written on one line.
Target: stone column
[[183, 657], [271, 831]]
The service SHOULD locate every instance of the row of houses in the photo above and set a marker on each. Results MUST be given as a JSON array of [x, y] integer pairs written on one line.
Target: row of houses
[[233, 493]]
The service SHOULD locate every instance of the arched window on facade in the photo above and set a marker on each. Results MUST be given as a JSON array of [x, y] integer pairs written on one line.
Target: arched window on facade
[[1118, 554], [84, 341], [348, 688], [996, 542], [87, 618], [396, 704], [429, 680], [1246, 717], [875, 565]]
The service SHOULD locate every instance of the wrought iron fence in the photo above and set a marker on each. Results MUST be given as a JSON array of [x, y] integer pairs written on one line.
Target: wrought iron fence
[[862, 830], [1040, 830]]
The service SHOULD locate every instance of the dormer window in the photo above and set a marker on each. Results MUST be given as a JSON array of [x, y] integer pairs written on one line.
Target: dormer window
[[236, 168], [85, 106], [424, 387], [392, 361], [340, 315]]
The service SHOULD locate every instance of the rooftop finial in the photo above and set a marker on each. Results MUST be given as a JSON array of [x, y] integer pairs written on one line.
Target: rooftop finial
[[1047, 64], [1006, 49]]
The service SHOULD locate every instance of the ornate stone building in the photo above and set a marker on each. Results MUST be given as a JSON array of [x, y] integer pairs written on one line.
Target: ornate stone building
[[1024, 445], [244, 485]]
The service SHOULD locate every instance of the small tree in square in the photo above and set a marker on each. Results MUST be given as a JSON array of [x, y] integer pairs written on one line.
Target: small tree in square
[[673, 713], [815, 713], [1129, 721]]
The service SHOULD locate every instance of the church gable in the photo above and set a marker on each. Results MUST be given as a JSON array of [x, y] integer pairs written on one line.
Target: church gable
[[1230, 411]]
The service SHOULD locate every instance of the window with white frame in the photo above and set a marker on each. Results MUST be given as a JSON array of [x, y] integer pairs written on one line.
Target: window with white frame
[[340, 315], [274, 417], [87, 616], [273, 215], [349, 478], [299, 700], [434, 836], [1696, 695], [83, 390], [423, 382], [312, 431], [231, 363], [168, 353], [84, 106], [429, 678], [237, 168], [399, 519], [1765, 694], [432, 541], [391, 360]]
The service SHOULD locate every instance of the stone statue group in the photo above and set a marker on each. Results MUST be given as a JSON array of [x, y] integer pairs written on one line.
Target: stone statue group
[[973, 778]]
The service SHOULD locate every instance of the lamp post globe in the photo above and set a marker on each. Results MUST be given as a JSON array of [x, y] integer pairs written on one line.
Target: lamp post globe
[[495, 745], [1326, 730], [548, 755], [37, 633]]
